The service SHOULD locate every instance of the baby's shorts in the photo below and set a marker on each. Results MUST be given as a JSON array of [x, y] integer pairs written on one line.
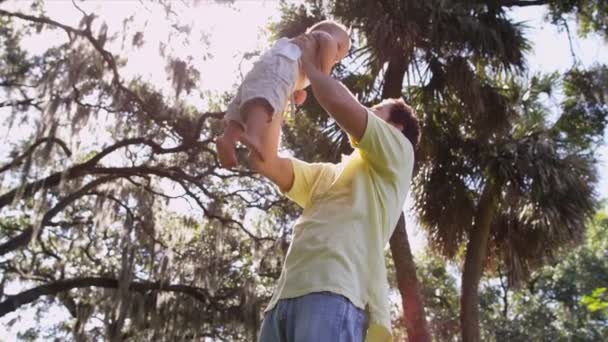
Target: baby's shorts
[[273, 79]]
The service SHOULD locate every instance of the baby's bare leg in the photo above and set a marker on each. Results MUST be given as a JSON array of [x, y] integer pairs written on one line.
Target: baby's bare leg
[[258, 114], [226, 144]]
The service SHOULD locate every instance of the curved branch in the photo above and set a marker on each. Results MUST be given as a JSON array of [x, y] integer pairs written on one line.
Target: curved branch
[[31, 149], [79, 9], [25, 237], [12, 303], [565, 23], [149, 189], [222, 219], [17, 103], [180, 177], [208, 115], [16, 84], [523, 3], [111, 173], [42, 20], [78, 170], [105, 54], [77, 99], [120, 203], [131, 215]]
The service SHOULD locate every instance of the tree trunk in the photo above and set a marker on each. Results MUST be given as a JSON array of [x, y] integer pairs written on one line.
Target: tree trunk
[[393, 77], [473, 265], [414, 316]]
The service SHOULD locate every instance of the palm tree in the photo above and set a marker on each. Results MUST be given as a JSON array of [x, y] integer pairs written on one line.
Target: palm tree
[[440, 37], [452, 51], [515, 197], [398, 37]]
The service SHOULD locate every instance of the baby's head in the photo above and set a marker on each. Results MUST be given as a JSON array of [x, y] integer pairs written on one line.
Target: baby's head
[[340, 33]]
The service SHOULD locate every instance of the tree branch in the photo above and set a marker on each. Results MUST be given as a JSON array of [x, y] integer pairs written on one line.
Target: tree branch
[[85, 14], [565, 23], [180, 177], [523, 3], [31, 149], [25, 237], [149, 189], [174, 174], [12, 303], [16, 84], [159, 118], [222, 219], [42, 20], [105, 54], [15, 103], [78, 170]]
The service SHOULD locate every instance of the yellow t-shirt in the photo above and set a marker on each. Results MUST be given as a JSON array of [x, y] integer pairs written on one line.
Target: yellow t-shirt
[[350, 211]]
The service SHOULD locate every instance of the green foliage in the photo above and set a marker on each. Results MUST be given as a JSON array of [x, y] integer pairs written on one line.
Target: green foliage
[[592, 15], [457, 28], [585, 107], [596, 301], [295, 19], [556, 304], [540, 174], [552, 305], [441, 296]]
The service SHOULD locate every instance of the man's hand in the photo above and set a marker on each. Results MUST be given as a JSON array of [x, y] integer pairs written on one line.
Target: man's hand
[[332, 95], [319, 50], [308, 44]]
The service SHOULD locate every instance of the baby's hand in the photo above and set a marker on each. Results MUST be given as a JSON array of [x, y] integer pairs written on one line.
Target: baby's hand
[[299, 96]]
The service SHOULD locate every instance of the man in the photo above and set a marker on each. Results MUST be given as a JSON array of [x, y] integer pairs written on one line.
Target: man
[[334, 271]]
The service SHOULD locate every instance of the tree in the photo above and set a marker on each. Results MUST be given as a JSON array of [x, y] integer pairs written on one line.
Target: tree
[[502, 194], [113, 204], [549, 306]]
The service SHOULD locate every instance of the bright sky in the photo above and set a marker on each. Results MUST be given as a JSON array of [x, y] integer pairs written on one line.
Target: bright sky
[[240, 28]]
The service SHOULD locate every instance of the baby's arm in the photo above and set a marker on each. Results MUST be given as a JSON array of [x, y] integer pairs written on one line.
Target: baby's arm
[[299, 96], [328, 51]]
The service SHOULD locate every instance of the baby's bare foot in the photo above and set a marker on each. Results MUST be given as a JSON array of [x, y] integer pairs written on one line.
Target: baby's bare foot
[[225, 152]]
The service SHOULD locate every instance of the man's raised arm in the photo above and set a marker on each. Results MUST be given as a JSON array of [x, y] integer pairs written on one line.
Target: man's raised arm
[[295, 178]]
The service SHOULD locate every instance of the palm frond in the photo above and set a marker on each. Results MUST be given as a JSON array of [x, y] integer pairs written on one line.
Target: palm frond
[[547, 199]]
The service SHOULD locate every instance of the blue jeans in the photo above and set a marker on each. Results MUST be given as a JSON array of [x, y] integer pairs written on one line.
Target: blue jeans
[[315, 317]]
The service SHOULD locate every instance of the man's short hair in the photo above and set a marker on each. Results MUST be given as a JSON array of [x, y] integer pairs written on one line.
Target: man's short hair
[[403, 114]]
